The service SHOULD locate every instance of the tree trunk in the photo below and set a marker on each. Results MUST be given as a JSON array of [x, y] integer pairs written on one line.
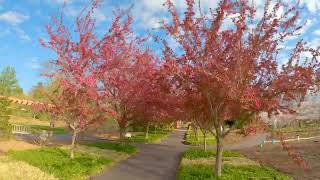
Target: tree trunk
[[300, 124], [218, 164], [52, 125], [196, 136], [147, 132], [205, 141], [73, 144], [81, 137], [122, 131], [275, 123]]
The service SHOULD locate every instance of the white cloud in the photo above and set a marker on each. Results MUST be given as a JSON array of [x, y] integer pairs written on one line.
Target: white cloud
[[74, 11], [317, 32], [22, 34], [152, 5], [61, 1], [99, 16], [13, 18], [15, 31], [149, 13], [308, 24], [315, 43], [34, 64], [312, 5]]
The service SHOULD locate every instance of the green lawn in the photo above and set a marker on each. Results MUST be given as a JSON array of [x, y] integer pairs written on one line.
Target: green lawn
[[56, 130], [199, 165], [191, 138], [125, 148], [154, 136], [57, 162], [304, 128], [196, 153]]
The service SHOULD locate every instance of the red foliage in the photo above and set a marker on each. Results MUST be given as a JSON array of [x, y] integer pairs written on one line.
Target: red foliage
[[297, 158], [228, 70], [74, 67], [117, 70]]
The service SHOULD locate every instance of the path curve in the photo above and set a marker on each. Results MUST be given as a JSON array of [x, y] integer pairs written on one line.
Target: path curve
[[250, 142], [153, 162]]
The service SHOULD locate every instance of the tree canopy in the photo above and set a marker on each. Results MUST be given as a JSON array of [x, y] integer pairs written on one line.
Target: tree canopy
[[9, 85]]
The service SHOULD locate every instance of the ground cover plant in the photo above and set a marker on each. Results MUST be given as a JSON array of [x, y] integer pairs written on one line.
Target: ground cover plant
[[196, 153], [197, 164], [56, 161], [198, 139], [119, 147], [153, 136]]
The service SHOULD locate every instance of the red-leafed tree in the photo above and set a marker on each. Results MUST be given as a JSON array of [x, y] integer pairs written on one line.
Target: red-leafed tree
[[77, 53], [234, 67], [154, 101], [110, 69], [78, 110], [125, 71]]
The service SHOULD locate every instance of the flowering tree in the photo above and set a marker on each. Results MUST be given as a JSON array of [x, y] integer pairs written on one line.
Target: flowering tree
[[126, 73], [78, 110], [234, 67], [110, 69], [77, 101]]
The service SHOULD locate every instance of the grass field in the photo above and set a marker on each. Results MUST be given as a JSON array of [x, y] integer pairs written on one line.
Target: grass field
[[191, 138], [197, 164], [56, 162], [57, 130], [32, 121], [11, 169], [154, 136], [124, 148]]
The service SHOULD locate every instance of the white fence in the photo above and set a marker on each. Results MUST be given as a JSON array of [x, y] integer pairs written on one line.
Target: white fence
[[21, 129]]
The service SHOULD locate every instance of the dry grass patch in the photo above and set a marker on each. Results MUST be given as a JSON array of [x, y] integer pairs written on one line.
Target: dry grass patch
[[12, 170], [32, 121], [5, 146]]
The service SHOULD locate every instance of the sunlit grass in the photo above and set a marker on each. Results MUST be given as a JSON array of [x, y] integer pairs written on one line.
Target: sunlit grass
[[11, 170], [197, 164], [153, 137], [58, 163], [191, 138]]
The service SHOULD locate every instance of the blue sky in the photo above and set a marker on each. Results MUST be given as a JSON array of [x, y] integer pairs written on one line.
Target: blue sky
[[22, 24]]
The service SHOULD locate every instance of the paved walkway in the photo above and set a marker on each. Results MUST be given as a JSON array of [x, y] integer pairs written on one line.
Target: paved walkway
[[156, 161], [153, 162], [248, 143]]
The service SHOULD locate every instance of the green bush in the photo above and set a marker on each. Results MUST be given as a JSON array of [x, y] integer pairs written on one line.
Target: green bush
[[229, 172], [57, 162], [195, 153], [126, 148], [5, 127]]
